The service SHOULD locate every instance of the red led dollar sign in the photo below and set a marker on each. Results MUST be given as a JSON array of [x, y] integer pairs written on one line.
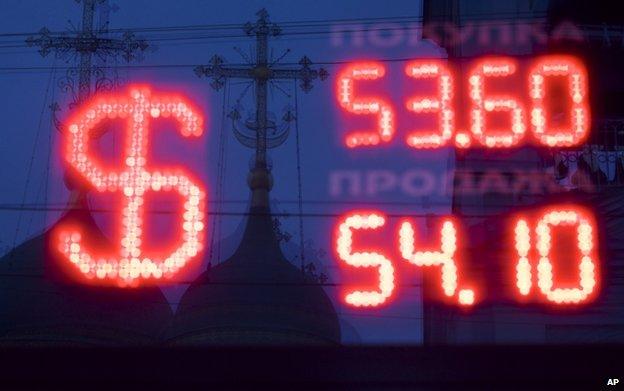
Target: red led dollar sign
[[131, 265]]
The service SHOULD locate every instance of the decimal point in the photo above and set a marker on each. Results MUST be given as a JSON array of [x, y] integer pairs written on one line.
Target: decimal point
[[466, 297], [462, 139]]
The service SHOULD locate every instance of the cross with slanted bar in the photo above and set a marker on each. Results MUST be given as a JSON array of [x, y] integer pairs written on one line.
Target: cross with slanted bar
[[261, 72], [87, 43]]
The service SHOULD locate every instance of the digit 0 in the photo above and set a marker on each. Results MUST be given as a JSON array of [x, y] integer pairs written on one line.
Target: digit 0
[[579, 121]]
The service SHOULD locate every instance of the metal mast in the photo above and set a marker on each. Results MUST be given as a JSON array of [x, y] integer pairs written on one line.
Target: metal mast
[[83, 46]]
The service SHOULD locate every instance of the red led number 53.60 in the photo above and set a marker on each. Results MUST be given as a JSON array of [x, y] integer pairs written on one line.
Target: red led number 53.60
[[524, 119]]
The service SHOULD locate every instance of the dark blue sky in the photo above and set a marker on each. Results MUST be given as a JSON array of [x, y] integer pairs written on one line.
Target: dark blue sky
[[27, 128]]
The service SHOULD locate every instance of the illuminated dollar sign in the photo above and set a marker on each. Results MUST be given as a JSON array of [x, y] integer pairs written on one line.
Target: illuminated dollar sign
[[131, 265]]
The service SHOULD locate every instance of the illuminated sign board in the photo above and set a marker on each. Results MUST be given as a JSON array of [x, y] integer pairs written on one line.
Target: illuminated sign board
[[481, 103], [526, 120], [534, 235]]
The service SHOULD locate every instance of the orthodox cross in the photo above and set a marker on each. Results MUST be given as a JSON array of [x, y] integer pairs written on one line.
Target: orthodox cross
[[260, 73], [86, 43]]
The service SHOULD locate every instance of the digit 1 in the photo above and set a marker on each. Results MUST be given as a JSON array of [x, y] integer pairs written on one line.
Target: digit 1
[[344, 242], [523, 267], [365, 105], [494, 67], [441, 104], [579, 109], [444, 258]]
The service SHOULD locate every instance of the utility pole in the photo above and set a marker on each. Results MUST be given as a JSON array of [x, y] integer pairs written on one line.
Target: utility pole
[[260, 73]]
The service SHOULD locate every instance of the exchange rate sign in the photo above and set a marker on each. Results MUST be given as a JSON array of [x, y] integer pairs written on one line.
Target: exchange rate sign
[[532, 234], [526, 120], [132, 181]]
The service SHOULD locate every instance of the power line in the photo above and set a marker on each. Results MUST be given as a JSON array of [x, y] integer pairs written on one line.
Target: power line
[[488, 21], [594, 30], [273, 214], [237, 26], [299, 187], [419, 202], [501, 16], [173, 66]]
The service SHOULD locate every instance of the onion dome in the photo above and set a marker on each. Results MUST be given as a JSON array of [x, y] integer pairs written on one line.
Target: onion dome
[[41, 306], [256, 297]]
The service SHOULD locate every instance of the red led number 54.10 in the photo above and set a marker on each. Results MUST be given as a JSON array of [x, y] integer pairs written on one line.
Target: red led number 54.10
[[132, 264]]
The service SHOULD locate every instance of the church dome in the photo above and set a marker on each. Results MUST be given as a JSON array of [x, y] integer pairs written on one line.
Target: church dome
[[40, 308], [256, 297]]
